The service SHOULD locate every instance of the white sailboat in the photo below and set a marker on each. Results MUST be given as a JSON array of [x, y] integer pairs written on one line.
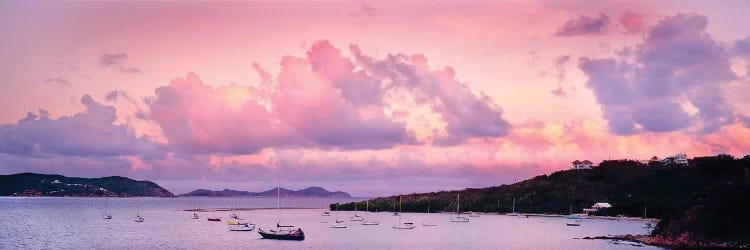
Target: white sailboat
[[513, 209], [138, 217], [236, 216], [356, 216], [370, 221], [106, 216], [428, 223], [339, 223], [457, 217], [402, 224]]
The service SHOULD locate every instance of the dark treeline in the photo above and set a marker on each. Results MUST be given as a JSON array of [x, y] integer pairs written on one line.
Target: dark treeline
[[628, 185]]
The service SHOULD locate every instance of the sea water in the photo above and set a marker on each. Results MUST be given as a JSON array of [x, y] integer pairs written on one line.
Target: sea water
[[76, 223]]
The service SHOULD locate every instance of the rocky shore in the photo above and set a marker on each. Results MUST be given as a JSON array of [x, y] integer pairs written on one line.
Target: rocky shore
[[682, 242]]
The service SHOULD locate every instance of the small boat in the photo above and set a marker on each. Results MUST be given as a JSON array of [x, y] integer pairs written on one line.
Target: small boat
[[106, 216], [428, 223], [326, 213], [404, 225], [457, 217], [213, 218], [513, 209], [648, 225], [282, 234], [195, 216], [356, 217], [138, 217], [369, 221], [572, 224], [237, 222], [241, 227], [473, 214], [401, 224], [339, 224]]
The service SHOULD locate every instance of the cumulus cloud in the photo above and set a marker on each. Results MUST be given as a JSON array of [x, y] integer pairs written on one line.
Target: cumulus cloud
[[676, 69], [323, 100], [584, 25], [118, 60], [742, 47], [58, 80], [466, 115], [91, 133], [632, 22]]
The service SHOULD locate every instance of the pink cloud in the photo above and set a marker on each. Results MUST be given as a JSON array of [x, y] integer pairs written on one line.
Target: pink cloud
[[633, 22]]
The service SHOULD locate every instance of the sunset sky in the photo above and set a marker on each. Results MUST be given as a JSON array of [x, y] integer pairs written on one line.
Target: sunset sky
[[369, 97]]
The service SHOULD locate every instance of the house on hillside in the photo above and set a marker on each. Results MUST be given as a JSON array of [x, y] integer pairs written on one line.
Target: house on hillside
[[678, 159], [585, 164], [596, 207]]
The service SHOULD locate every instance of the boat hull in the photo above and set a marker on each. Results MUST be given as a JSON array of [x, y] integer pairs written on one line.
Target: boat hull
[[274, 236]]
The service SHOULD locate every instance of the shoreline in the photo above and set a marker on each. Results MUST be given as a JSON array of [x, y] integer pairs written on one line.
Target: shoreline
[[669, 243]]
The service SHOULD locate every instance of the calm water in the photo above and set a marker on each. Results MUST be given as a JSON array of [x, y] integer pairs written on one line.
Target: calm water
[[75, 223]]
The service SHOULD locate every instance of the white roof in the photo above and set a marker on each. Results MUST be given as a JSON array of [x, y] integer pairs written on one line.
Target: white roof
[[602, 204]]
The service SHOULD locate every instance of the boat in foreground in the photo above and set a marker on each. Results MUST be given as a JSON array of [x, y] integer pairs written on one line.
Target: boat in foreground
[[282, 234]]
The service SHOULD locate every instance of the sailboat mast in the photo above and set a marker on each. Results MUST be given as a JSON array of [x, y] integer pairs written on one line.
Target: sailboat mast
[[278, 198], [458, 204], [399, 208]]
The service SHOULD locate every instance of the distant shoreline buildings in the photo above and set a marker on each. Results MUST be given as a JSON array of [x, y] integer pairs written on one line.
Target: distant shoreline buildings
[[680, 159]]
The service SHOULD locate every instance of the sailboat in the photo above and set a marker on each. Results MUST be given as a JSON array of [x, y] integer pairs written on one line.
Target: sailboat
[[513, 209], [573, 220], [394, 209], [356, 216], [106, 216], [458, 217], [401, 224], [195, 216], [281, 233], [236, 216], [369, 221], [138, 217], [647, 224], [339, 223], [213, 213], [428, 223], [213, 217]]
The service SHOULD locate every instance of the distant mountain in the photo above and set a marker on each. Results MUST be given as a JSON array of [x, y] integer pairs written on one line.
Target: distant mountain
[[30, 184], [307, 192]]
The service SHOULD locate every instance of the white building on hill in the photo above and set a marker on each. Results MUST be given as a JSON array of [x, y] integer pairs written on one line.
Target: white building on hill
[[585, 164], [678, 159]]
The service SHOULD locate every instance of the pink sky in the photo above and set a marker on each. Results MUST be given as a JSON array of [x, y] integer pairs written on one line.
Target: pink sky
[[374, 98]]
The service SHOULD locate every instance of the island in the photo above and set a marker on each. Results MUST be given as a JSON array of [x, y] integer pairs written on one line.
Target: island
[[283, 192], [31, 184], [703, 203]]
